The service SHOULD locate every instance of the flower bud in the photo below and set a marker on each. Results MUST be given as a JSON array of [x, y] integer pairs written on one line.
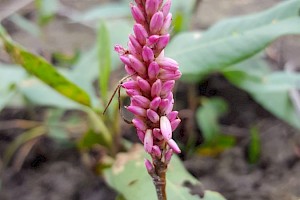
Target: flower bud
[[140, 33], [120, 49], [153, 116], [167, 87], [172, 115], [155, 103], [148, 165], [165, 128], [129, 70], [148, 141], [157, 134], [139, 124], [166, 7], [156, 151], [141, 135], [156, 88], [137, 14], [132, 92], [168, 64], [152, 40], [153, 70], [163, 42], [147, 53], [151, 6], [167, 24], [174, 146], [168, 156], [130, 85], [141, 101], [156, 22], [137, 65], [137, 110], [169, 75], [175, 123], [143, 84]]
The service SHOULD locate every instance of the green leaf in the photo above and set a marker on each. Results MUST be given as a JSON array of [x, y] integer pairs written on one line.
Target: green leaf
[[104, 50], [128, 176], [39, 67], [233, 40], [255, 146], [207, 117], [10, 76], [271, 90], [20, 140]]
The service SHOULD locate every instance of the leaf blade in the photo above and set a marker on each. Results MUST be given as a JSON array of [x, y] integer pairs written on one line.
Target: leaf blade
[[43, 70]]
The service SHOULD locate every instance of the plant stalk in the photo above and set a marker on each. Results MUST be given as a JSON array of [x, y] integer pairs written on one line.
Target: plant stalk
[[158, 174]]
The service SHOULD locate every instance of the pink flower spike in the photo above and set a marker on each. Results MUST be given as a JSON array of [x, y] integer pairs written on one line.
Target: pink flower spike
[[155, 103], [175, 123], [148, 165], [167, 87], [151, 6], [147, 54], [166, 7], [168, 156], [141, 135], [137, 14], [137, 65], [156, 88], [140, 33], [168, 64], [139, 124], [132, 92], [153, 70], [130, 85], [153, 116], [148, 141], [156, 151], [137, 110], [165, 127], [119, 49], [163, 41], [167, 24], [152, 40], [143, 84], [157, 134], [156, 22], [172, 115], [174, 146], [140, 101]]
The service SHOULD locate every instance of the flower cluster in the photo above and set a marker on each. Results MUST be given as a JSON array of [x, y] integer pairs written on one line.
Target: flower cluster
[[152, 78]]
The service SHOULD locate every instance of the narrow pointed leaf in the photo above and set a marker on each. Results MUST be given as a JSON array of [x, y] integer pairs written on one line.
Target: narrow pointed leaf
[[43, 70]]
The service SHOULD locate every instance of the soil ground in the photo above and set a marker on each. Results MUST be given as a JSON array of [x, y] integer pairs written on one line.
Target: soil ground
[[55, 172]]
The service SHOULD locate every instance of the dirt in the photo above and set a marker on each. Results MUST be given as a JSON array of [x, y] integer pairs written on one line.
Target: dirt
[[53, 171]]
